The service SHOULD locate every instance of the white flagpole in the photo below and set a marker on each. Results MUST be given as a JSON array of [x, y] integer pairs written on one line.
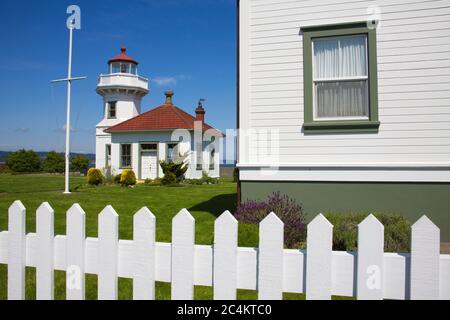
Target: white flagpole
[[69, 76], [72, 23]]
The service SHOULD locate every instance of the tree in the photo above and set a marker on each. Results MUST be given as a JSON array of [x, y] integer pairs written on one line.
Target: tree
[[54, 163], [79, 164], [23, 161]]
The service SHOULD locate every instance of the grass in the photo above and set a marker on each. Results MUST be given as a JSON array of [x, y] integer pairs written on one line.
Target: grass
[[205, 203]]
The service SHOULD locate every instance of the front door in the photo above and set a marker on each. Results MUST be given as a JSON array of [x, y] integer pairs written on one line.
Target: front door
[[149, 165]]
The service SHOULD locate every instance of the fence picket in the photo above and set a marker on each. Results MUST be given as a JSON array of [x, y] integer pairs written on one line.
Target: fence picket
[[76, 239], [144, 254], [16, 251], [270, 266], [183, 241], [45, 250], [318, 259], [425, 255], [225, 257], [108, 230], [370, 259], [319, 272]]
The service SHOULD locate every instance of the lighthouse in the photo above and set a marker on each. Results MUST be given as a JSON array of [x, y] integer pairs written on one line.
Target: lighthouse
[[122, 89]]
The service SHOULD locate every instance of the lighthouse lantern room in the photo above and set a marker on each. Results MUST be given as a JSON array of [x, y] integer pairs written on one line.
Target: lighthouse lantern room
[[122, 90]]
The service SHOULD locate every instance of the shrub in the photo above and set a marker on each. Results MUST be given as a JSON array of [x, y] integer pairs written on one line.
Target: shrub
[[236, 175], [206, 179], [287, 209], [23, 161], [169, 178], [110, 177], [54, 163], [117, 178], [3, 168], [128, 178], [196, 182], [177, 168], [397, 230], [153, 182], [80, 164], [95, 177]]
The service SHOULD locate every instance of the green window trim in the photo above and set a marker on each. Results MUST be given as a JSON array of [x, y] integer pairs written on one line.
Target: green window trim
[[339, 126]]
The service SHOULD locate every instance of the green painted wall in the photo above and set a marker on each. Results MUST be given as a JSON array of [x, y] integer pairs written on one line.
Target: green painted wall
[[410, 199]]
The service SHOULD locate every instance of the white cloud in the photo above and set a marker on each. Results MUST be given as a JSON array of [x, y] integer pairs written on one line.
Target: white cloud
[[165, 81], [170, 81]]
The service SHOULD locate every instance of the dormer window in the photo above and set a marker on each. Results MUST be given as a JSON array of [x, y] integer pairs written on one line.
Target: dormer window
[[112, 110]]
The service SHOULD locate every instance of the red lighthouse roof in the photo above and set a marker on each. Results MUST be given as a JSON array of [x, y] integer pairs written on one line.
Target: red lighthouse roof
[[123, 57]]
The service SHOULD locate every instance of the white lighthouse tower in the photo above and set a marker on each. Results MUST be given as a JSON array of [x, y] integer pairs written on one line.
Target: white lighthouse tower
[[122, 90]]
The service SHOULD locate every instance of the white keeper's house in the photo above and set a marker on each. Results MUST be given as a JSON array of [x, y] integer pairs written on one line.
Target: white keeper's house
[[129, 139]]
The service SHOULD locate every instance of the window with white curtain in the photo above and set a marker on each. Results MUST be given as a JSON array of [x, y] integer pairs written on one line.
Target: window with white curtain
[[340, 78]]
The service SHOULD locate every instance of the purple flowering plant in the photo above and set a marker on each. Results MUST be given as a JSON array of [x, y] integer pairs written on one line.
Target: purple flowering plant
[[288, 210]]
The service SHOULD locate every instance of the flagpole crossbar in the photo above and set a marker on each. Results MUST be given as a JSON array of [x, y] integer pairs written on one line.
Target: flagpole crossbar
[[67, 79]]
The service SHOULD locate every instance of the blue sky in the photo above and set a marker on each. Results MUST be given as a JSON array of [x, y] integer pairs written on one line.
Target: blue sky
[[185, 45]]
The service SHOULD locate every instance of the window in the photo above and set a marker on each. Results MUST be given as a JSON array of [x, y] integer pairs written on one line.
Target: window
[[133, 69], [212, 155], [125, 155], [115, 67], [108, 155], [124, 68], [148, 147], [340, 78], [112, 110], [172, 152], [199, 156]]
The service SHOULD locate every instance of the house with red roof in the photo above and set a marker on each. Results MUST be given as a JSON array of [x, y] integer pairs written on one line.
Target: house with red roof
[[129, 139]]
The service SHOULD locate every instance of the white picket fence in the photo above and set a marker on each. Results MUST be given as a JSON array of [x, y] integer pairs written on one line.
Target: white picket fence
[[319, 272]]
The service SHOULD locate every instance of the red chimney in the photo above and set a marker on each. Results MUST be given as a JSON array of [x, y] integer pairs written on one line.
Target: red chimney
[[200, 111]]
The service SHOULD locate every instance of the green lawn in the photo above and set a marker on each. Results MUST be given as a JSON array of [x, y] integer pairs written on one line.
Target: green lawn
[[205, 203]]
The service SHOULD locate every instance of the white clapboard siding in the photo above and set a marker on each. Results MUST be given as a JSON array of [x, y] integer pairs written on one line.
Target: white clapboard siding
[[425, 251], [183, 239], [45, 252], [225, 257], [108, 239], [16, 251], [319, 259], [413, 67], [370, 259], [75, 245], [270, 256], [144, 226], [317, 271]]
